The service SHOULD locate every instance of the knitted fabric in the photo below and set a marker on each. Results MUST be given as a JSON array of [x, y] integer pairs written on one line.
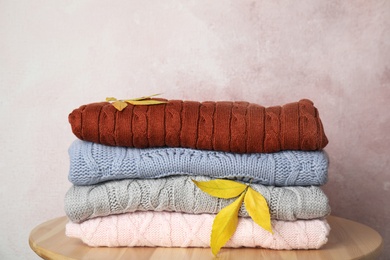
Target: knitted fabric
[[180, 194], [239, 127], [91, 163], [163, 229]]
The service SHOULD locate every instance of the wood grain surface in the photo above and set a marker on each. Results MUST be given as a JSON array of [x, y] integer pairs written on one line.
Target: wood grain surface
[[347, 240]]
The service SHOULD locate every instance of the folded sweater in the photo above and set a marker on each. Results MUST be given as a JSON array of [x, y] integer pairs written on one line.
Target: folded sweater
[[91, 163], [167, 229], [180, 194], [239, 127]]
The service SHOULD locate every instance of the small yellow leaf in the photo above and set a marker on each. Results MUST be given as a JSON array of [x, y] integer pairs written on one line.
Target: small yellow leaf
[[225, 189], [120, 105], [257, 208], [225, 224], [146, 102]]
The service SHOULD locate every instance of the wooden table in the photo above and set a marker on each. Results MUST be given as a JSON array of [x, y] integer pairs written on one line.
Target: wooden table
[[347, 240]]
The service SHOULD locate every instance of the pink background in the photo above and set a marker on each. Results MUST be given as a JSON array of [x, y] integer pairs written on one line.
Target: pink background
[[57, 55]]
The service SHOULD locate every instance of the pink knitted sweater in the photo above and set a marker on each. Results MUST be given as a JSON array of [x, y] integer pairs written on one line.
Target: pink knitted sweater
[[166, 229]]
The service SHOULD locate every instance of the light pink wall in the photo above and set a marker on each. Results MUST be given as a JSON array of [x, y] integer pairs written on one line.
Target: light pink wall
[[57, 55]]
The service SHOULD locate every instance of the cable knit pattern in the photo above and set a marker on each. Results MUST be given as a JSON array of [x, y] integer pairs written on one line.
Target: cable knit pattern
[[238, 127], [180, 194], [163, 229], [91, 163]]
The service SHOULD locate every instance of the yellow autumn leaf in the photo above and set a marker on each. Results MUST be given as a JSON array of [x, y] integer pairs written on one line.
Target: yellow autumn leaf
[[146, 102], [225, 224], [225, 189], [257, 208], [120, 105]]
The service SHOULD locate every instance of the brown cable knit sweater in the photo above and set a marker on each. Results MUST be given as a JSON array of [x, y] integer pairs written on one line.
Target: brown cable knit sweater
[[239, 127]]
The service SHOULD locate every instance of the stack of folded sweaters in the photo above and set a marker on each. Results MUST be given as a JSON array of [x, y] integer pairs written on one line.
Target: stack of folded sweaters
[[132, 173]]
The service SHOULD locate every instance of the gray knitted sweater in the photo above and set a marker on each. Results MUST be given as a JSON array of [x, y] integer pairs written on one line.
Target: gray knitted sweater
[[180, 194]]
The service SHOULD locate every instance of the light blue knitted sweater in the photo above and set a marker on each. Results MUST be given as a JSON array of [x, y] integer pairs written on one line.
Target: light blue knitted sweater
[[91, 163]]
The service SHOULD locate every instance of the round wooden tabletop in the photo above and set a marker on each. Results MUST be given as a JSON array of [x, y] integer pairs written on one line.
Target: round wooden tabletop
[[347, 240]]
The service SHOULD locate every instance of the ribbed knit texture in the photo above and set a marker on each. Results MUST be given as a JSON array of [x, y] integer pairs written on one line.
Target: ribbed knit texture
[[165, 229], [91, 163], [180, 194], [238, 127]]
